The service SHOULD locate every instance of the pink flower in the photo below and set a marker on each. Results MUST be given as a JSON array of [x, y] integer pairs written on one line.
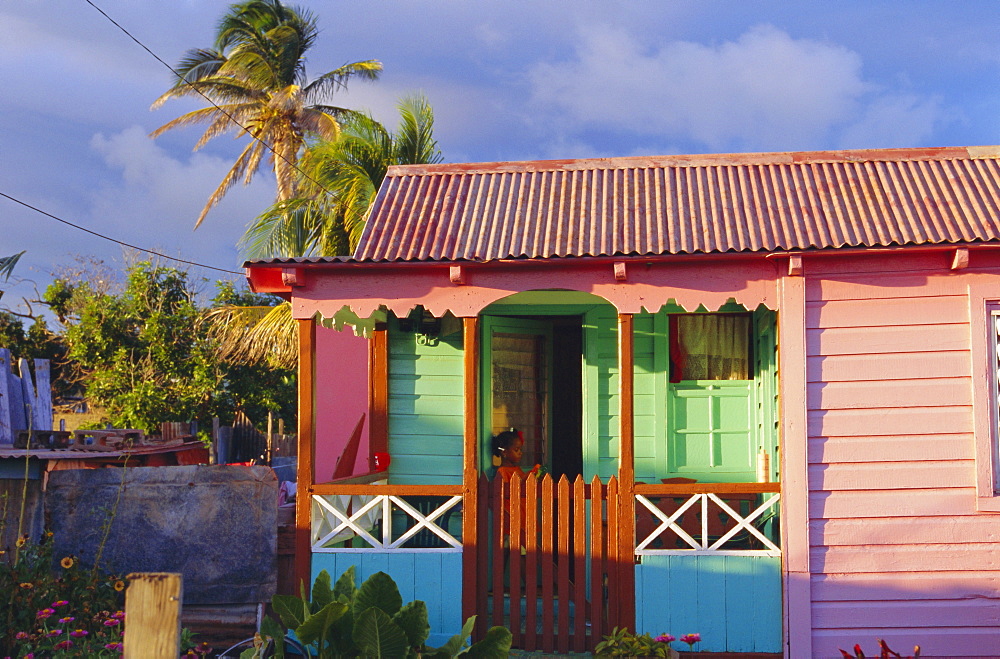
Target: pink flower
[[664, 638], [53, 632], [45, 613], [67, 619], [113, 646], [112, 622], [64, 645], [60, 603], [118, 615], [691, 639], [30, 655], [21, 635], [79, 633]]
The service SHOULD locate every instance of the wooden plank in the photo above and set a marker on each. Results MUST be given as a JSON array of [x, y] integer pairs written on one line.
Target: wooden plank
[[939, 392], [504, 550], [901, 586], [890, 421], [581, 613], [976, 612], [899, 338], [597, 561], [401, 490], [482, 552], [972, 557], [306, 474], [516, 561], [667, 489], [378, 392], [891, 503], [28, 395], [893, 475], [471, 570], [43, 396], [888, 448], [614, 563], [547, 563], [884, 286], [563, 560], [532, 549], [625, 591], [972, 527], [6, 428], [796, 506], [938, 641], [899, 366], [153, 609], [885, 313]]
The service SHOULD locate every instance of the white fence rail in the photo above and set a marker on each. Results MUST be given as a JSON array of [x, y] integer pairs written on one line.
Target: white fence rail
[[364, 523]]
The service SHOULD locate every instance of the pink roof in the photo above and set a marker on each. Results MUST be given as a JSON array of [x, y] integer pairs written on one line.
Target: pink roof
[[685, 204]]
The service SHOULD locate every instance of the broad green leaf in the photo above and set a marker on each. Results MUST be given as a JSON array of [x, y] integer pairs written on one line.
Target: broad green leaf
[[322, 593], [289, 609], [412, 619], [457, 642], [316, 626], [270, 627], [345, 586], [378, 590], [377, 636], [496, 645]]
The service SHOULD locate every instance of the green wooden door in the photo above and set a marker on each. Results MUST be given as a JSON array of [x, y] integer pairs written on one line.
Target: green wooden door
[[517, 384]]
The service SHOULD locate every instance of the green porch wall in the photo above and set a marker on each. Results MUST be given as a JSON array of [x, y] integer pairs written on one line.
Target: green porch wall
[[426, 402]]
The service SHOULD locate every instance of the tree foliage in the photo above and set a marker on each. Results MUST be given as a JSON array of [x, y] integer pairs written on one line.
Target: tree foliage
[[255, 78], [144, 356]]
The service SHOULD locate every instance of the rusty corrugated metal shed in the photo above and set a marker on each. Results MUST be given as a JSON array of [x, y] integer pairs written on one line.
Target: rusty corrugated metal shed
[[685, 204]]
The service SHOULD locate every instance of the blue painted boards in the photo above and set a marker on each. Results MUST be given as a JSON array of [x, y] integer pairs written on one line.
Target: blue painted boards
[[435, 578], [734, 602]]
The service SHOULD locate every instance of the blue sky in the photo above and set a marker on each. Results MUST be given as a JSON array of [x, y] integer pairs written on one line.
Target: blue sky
[[509, 80]]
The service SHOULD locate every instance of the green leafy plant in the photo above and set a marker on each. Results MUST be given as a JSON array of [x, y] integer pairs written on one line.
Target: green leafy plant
[[885, 652], [343, 620], [623, 643]]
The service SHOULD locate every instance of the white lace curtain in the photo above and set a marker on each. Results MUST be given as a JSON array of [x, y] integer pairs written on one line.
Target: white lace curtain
[[710, 347]]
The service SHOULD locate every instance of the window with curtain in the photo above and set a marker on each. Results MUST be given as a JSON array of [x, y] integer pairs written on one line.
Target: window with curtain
[[707, 346]]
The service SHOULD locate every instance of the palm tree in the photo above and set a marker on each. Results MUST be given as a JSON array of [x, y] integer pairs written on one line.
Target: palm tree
[[342, 177], [255, 79], [340, 180]]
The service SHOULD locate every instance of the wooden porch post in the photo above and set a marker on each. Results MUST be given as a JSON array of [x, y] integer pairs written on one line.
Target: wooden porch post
[[378, 393], [626, 474], [794, 440], [470, 472], [307, 449]]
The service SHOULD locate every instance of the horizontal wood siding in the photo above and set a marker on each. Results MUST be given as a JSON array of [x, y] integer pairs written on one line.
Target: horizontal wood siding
[[435, 579], [425, 409], [898, 550]]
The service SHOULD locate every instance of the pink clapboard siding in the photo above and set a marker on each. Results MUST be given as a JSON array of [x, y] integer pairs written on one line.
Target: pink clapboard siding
[[897, 548]]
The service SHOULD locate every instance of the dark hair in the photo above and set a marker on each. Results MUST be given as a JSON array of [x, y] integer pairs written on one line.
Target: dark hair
[[501, 441]]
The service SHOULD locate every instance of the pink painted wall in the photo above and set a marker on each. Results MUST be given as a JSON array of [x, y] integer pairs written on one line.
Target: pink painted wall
[[898, 550], [341, 397]]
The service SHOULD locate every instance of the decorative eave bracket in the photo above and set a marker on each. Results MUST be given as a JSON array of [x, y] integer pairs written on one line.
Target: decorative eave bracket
[[457, 275], [620, 274], [795, 265], [293, 277], [961, 259]]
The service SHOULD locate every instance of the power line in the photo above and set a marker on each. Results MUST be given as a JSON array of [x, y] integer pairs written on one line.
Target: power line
[[124, 244]]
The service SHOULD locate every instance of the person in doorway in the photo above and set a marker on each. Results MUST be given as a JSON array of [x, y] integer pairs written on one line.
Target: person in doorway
[[508, 449]]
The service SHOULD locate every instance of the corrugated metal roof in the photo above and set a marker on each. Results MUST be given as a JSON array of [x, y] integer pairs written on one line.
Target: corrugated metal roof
[[685, 204]]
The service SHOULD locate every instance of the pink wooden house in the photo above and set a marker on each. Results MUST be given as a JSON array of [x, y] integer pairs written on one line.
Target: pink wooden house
[[764, 388]]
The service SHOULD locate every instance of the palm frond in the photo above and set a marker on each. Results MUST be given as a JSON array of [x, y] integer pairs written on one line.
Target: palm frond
[[255, 334], [7, 264]]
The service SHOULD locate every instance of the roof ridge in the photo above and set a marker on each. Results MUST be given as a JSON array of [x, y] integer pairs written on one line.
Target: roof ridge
[[701, 160]]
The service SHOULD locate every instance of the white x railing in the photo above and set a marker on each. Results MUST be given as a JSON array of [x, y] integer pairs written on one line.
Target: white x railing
[[341, 519], [706, 545]]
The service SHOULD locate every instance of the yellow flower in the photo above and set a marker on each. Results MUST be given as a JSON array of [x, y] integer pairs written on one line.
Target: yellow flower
[[66, 562], [21, 541], [119, 586], [27, 584]]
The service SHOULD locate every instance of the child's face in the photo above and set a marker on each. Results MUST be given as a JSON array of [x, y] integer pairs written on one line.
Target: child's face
[[512, 455]]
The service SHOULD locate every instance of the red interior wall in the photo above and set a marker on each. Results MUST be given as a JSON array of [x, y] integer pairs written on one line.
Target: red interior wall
[[341, 397]]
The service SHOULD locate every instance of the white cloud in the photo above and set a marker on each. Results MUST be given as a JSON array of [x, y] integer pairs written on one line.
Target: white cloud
[[764, 90], [893, 120]]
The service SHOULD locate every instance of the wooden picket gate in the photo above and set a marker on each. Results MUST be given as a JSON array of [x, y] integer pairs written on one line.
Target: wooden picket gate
[[550, 560]]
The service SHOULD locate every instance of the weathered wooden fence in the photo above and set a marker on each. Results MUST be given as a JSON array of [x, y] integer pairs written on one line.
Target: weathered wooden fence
[[25, 402], [553, 550]]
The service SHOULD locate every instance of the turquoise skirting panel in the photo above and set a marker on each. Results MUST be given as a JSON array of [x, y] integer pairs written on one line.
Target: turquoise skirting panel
[[435, 578], [734, 602]]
